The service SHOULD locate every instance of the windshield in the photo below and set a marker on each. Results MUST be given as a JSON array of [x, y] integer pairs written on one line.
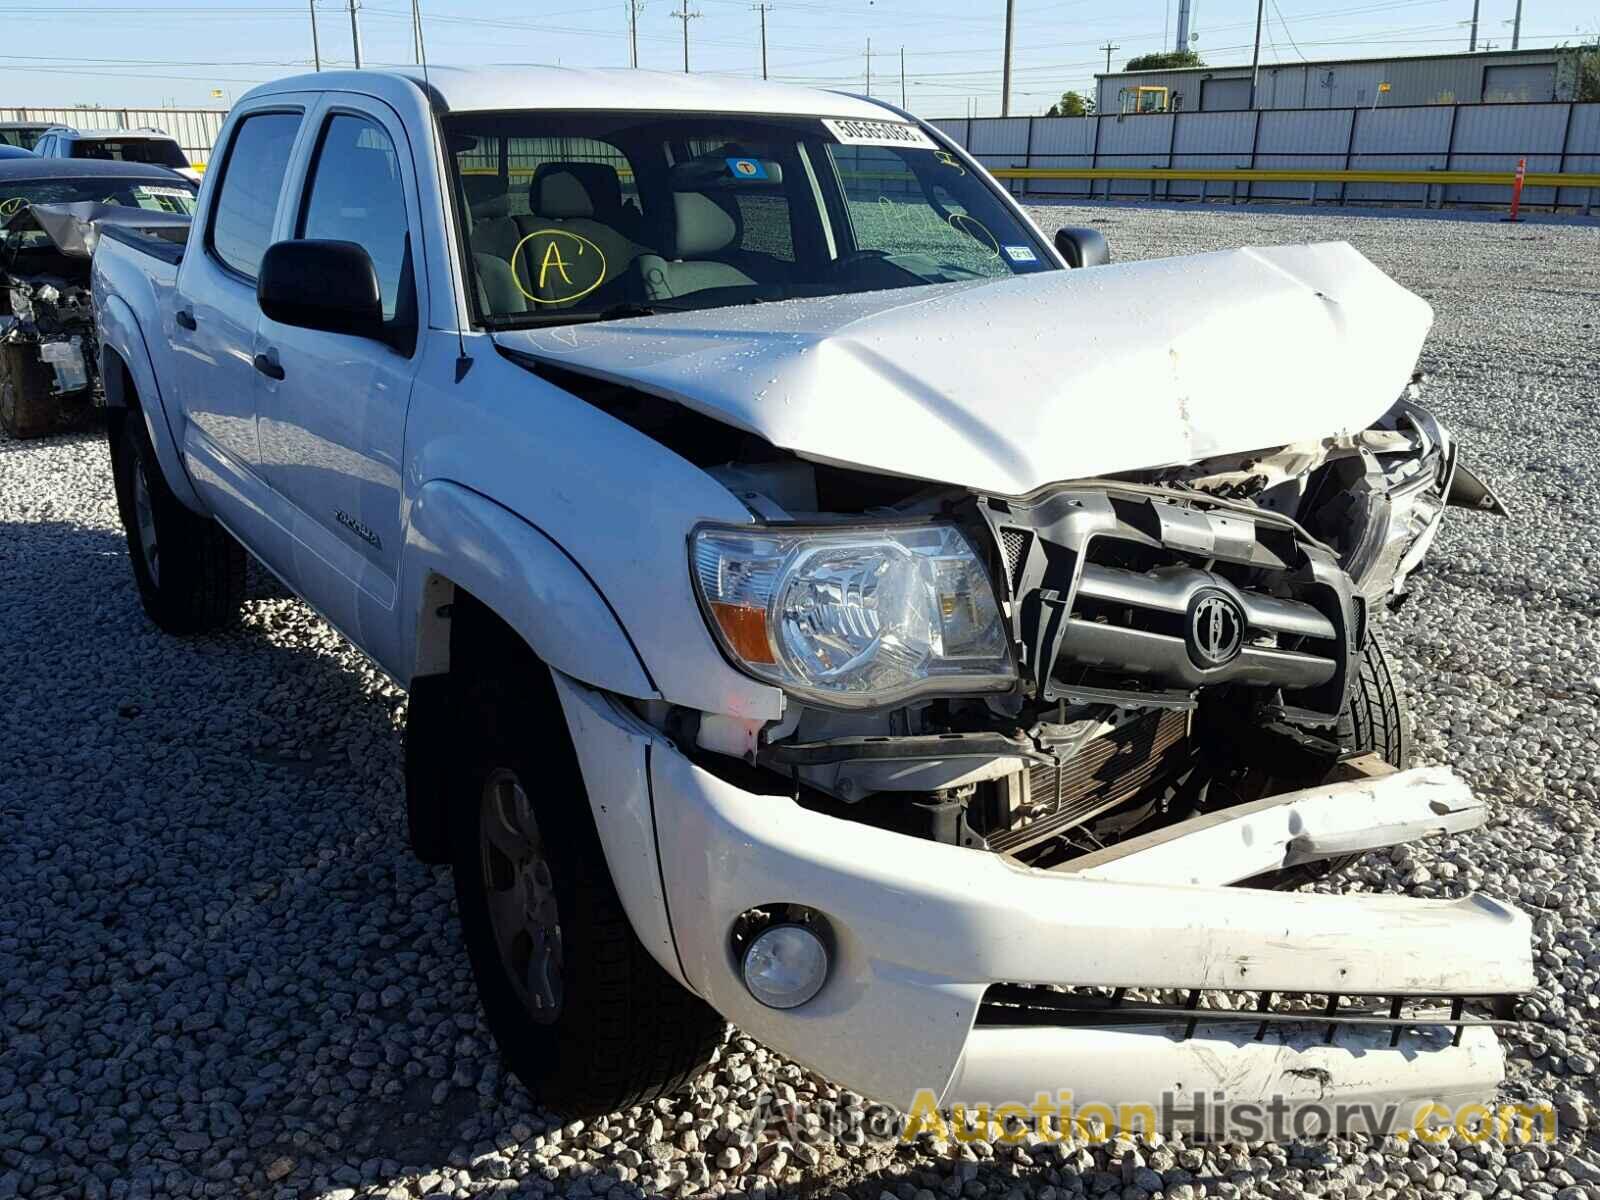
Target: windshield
[[572, 217], [174, 197], [160, 152], [25, 136]]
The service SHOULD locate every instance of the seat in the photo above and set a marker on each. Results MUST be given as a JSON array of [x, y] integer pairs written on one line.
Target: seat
[[487, 199], [497, 287], [702, 227], [573, 203]]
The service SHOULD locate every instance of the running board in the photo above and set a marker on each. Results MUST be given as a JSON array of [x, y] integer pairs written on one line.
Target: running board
[[1382, 807]]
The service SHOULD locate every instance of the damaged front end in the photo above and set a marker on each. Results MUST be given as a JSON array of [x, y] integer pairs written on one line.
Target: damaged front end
[[1161, 691], [1046, 710], [49, 355]]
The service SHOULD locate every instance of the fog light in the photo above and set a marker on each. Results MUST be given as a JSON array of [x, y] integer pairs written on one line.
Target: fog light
[[785, 966]]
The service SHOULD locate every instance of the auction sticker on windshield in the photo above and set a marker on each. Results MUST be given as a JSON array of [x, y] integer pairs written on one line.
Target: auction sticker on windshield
[[878, 133]]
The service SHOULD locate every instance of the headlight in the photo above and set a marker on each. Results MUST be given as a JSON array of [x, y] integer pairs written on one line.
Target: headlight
[[855, 618]]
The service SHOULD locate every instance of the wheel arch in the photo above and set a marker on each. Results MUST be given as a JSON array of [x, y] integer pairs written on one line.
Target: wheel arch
[[608, 749], [129, 377]]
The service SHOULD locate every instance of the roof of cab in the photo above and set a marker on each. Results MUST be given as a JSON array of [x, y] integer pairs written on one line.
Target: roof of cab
[[487, 89]]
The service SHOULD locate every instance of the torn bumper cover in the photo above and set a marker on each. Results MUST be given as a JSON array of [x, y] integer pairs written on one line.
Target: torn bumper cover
[[932, 946]]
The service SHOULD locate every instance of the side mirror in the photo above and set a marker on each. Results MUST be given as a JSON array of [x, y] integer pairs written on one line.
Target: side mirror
[[1083, 247], [325, 285]]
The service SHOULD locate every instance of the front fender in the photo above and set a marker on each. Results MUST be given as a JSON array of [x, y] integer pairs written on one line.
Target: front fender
[[525, 578], [122, 344]]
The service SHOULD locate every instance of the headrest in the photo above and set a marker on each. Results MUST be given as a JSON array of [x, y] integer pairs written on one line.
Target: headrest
[[486, 196], [702, 226], [575, 189]]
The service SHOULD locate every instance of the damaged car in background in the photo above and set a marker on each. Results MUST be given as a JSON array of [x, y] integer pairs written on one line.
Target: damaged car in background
[[827, 604], [51, 216]]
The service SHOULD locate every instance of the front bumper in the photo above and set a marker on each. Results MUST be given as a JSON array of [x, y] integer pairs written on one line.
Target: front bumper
[[923, 930]]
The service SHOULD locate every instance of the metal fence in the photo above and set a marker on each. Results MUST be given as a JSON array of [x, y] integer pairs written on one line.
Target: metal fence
[[195, 129], [1554, 138]]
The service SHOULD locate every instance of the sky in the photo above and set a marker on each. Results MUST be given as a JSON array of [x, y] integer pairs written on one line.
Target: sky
[[195, 54]]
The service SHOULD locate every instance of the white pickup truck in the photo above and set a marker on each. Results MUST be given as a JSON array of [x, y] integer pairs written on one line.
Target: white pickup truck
[[822, 607]]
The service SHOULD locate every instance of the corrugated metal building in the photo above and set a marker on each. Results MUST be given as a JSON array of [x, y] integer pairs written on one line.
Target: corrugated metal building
[[1487, 76]]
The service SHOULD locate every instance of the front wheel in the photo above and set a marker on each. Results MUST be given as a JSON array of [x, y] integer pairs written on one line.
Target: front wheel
[[584, 1016], [189, 570], [1375, 720]]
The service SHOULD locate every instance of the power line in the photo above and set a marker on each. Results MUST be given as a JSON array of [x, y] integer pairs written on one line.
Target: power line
[[1005, 87], [763, 8], [633, 32], [355, 31], [686, 16], [1289, 35]]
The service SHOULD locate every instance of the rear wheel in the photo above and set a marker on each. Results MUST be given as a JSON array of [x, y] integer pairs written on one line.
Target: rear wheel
[[189, 570], [585, 1017]]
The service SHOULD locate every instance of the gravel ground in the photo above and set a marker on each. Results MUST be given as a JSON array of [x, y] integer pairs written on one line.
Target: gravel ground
[[222, 974]]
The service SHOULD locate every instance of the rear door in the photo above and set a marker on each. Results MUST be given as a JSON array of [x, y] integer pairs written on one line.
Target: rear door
[[332, 413], [213, 326]]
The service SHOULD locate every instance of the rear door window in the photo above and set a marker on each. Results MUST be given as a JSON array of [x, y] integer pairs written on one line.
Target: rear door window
[[252, 180]]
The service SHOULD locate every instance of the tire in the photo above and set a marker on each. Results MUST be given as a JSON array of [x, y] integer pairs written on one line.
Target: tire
[[1375, 720], [189, 570], [621, 1030], [27, 407]]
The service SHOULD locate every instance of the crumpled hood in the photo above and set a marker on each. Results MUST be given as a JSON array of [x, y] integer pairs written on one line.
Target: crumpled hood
[[1005, 386]]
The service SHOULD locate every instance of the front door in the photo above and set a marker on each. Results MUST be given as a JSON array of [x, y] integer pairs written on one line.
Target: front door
[[332, 427]]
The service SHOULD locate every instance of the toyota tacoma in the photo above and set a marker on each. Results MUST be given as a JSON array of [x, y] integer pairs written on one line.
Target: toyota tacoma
[[827, 604]]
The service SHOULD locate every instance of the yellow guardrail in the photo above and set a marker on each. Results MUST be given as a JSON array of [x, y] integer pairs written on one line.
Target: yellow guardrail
[[1262, 175]]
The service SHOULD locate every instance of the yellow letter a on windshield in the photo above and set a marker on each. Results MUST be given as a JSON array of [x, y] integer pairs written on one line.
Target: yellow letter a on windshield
[[552, 258]]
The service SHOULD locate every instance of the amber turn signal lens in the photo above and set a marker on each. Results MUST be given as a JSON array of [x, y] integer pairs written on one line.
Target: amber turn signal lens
[[745, 628]]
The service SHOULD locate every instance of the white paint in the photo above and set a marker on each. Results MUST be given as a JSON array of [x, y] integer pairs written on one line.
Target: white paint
[[1137, 1066], [923, 928], [579, 89], [1011, 384], [1328, 821]]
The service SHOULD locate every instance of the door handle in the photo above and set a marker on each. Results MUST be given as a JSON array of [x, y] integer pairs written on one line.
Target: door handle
[[269, 366], [184, 318]]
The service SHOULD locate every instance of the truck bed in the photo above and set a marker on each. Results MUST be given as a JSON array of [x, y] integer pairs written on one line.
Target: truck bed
[[165, 242]]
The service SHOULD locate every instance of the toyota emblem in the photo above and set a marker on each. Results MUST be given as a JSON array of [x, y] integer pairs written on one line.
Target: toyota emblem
[[1216, 629]]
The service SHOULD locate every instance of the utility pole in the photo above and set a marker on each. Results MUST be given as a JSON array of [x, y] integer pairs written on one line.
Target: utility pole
[[762, 9], [355, 31], [316, 50], [1472, 42], [686, 16], [902, 77], [1005, 80], [1255, 59], [416, 33], [869, 64], [1108, 48], [1516, 27], [1183, 26], [633, 31]]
